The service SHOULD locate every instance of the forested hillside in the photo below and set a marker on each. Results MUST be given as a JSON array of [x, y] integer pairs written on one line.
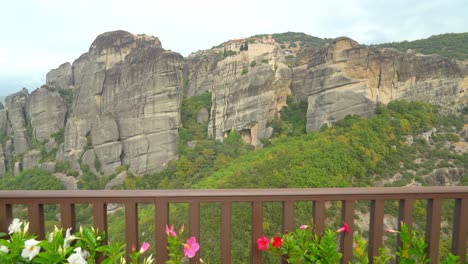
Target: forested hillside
[[452, 45]]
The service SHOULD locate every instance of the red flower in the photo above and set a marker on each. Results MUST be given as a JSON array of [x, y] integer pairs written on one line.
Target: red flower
[[262, 243], [277, 242], [388, 230], [344, 228]]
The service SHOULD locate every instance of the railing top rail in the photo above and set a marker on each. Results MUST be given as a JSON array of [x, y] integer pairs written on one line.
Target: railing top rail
[[326, 193]]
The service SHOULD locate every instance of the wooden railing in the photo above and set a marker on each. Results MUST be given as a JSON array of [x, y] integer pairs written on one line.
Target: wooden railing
[[35, 201]]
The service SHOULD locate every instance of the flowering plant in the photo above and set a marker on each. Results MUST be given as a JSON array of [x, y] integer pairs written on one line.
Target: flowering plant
[[175, 242], [80, 248], [304, 246]]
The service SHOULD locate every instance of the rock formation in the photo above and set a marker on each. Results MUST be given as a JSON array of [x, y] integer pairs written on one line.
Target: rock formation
[[347, 78], [132, 85], [119, 103]]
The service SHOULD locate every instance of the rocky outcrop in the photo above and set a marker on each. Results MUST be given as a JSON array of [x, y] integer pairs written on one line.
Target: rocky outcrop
[[16, 105], [133, 85], [61, 77], [47, 111], [2, 161], [345, 78], [31, 159]]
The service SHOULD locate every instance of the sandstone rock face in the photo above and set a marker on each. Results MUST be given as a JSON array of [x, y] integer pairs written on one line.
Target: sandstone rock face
[[60, 77], [2, 161], [248, 90], [16, 106], [31, 159], [127, 96], [345, 78], [47, 111]]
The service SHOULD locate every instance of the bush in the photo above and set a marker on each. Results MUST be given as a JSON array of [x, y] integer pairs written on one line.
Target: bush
[[252, 64], [245, 70]]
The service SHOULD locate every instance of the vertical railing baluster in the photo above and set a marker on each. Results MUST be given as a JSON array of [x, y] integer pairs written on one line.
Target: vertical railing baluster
[[131, 227], [36, 219], [288, 221], [319, 216], [226, 232], [194, 222], [433, 219], [347, 216], [6, 216], [375, 228], [405, 215], [460, 229], [161, 219], [100, 218], [257, 230], [67, 216]]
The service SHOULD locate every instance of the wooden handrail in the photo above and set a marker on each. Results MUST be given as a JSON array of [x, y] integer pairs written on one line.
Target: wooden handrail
[[35, 200]]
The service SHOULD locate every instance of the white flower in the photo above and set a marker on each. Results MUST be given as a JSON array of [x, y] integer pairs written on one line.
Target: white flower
[[4, 249], [30, 249], [14, 226], [51, 237], [84, 254], [68, 238], [76, 259]]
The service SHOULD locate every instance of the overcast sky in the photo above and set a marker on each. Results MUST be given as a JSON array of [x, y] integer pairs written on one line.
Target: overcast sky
[[37, 36]]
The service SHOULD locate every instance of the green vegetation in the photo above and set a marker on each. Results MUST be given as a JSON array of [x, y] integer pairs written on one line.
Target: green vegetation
[[193, 130], [252, 64], [304, 39], [450, 45], [245, 70], [32, 179]]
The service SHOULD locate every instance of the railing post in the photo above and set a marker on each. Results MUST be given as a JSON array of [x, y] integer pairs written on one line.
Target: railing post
[[194, 222], [36, 219], [257, 229], [226, 232], [161, 218], [131, 227], [67, 216], [288, 220], [433, 218], [375, 228], [6, 216], [319, 216], [100, 218], [460, 229], [347, 215]]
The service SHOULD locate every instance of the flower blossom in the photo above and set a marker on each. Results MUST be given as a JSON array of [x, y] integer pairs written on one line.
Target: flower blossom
[[4, 249], [388, 230], [68, 238], [344, 228], [76, 258], [15, 226], [170, 231], [277, 242], [144, 247], [262, 243], [191, 247], [303, 227], [30, 249]]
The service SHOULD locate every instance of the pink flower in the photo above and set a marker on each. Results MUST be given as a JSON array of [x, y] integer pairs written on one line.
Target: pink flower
[[170, 232], [144, 247], [303, 227], [191, 247], [262, 243], [181, 230], [277, 242], [344, 228], [388, 230]]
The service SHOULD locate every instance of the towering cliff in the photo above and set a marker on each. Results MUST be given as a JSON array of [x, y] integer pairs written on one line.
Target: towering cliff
[[120, 102]]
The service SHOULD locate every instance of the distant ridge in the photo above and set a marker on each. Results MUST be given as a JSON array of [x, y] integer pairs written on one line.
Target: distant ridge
[[450, 45]]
